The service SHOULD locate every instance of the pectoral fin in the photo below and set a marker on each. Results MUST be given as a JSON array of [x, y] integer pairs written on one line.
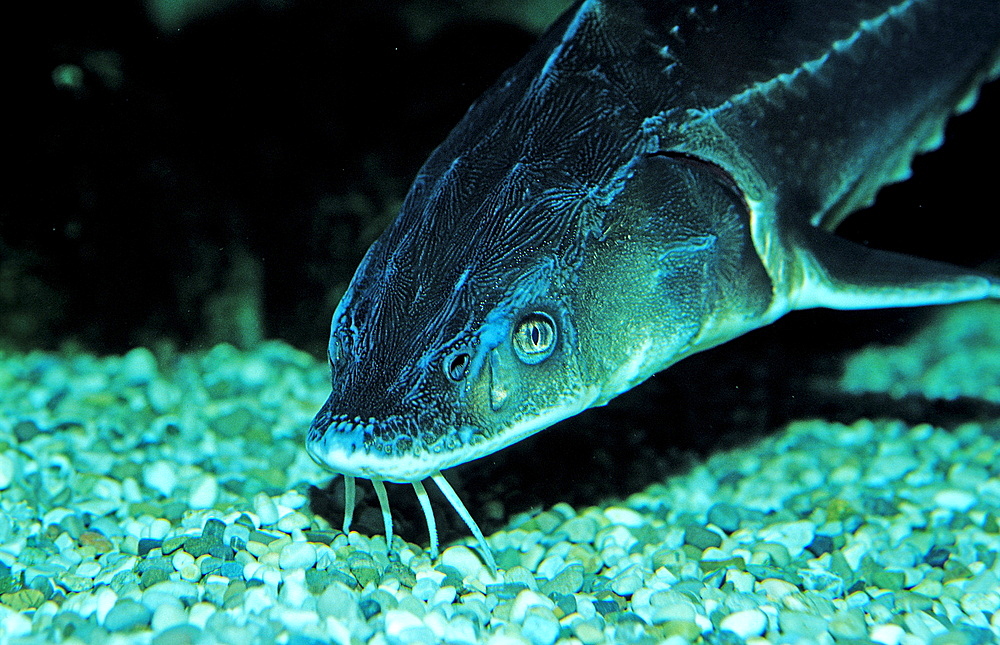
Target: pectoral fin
[[840, 274]]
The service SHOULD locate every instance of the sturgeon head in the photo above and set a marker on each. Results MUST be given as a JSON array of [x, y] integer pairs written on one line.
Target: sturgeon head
[[548, 256]]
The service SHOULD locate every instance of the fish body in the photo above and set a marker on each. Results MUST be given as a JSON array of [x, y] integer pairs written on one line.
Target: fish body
[[651, 180]]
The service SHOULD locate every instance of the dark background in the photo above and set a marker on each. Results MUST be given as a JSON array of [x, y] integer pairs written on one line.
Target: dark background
[[217, 177]]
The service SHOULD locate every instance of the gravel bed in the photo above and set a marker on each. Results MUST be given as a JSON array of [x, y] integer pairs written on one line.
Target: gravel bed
[[164, 500]]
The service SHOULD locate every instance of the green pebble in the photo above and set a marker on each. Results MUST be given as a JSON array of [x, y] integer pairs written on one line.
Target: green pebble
[[565, 602], [910, 602], [701, 538], [848, 623], [42, 584], [956, 637], [148, 544], [625, 618], [152, 576], [214, 530], [317, 580], [569, 580], [122, 581], [23, 600], [891, 580], [803, 625], [725, 516], [244, 520], [688, 630], [211, 565], [172, 544], [547, 521], [8, 583], [363, 568], [73, 525], [262, 537], [198, 546], [344, 578], [127, 614], [401, 572], [508, 558], [231, 569], [234, 424], [221, 551], [32, 555], [321, 537], [185, 634], [708, 566], [25, 431], [159, 562], [990, 524], [173, 510], [235, 595], [762, 572]]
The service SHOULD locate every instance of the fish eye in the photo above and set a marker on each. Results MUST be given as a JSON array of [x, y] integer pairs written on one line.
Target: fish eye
[[534, 337], [456, 366]]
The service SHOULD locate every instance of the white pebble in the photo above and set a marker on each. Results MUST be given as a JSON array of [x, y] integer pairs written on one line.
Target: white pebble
[[462, 558], [627, 583], [624, 516], [795, 536], [88, 569], [293, 499], [181, 559], [265, 509], [954, 499], [746, 623], [398, 620], [190, 572], [292, 521], [159, 528], [297, 620], [6, 471], [293, 589], [297, 555], [888, 634], [200, 612], [167, 615], [106, 599], [540, 630], [15, 624], [525, 600], [204, 493], [161, 476]]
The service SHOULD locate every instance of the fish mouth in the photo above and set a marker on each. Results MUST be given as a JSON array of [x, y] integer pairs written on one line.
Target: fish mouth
[[393, 449], [365, 448]]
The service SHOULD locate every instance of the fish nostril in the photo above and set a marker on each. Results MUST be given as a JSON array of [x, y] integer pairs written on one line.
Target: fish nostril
[[456, 366]]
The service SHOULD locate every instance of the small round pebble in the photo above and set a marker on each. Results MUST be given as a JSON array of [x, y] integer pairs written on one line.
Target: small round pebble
[[297, 555], [746, 623], [127, 614], [204, 493], [265, 508], [725, 516], [6, 471], [463, 559], [540, 629]]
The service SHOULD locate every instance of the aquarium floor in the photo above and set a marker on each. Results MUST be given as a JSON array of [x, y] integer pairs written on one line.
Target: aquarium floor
[[168, 499]]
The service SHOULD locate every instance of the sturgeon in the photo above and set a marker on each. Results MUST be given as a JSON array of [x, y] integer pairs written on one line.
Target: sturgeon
[[653, 179]]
